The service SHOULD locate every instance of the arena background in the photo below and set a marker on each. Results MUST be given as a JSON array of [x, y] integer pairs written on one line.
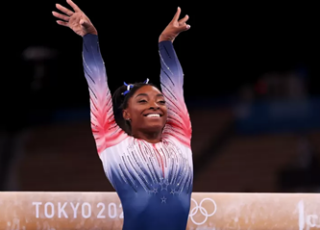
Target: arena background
[[251, 86]]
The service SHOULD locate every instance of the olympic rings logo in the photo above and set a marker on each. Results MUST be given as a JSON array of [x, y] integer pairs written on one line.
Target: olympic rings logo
[[203, 211]]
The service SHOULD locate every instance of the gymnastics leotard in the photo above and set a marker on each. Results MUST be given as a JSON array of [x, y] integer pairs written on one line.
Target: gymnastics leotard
[[153, 181]]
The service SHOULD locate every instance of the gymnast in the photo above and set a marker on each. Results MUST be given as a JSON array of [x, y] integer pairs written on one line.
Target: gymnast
[[149, 161]]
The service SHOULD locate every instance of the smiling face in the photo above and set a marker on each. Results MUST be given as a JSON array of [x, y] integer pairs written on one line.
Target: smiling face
[[146, 110]]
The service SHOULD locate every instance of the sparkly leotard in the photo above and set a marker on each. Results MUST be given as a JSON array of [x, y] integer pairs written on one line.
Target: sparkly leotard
[[153, 181]]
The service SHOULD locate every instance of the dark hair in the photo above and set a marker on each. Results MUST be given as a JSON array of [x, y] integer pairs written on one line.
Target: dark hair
[[120, 102]]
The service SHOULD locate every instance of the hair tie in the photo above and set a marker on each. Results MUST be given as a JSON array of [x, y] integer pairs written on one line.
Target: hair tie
[[130, 86], [146, 81]]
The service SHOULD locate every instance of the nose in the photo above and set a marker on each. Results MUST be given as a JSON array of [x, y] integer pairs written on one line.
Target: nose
[[154, 105]]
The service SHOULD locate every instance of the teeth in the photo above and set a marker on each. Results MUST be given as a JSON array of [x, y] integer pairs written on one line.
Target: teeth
[[153, 115]]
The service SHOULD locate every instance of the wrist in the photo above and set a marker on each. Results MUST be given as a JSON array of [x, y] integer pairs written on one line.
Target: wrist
[[93, 31], [90, 30], [166, 37]]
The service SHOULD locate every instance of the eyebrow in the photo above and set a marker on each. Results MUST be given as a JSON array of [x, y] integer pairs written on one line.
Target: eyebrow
[[144, 94]]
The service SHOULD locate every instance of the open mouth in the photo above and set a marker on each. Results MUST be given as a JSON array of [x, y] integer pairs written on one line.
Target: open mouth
[[153, 115]]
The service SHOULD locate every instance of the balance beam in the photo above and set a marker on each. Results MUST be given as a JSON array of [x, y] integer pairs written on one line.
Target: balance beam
[[215, 211]]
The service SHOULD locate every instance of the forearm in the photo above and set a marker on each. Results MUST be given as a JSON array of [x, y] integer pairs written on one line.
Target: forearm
[[170, 63], [172, 78], [92, 60], [105, 130]]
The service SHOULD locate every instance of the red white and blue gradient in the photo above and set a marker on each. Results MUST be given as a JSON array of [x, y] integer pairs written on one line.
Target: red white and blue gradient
[[153, 181]]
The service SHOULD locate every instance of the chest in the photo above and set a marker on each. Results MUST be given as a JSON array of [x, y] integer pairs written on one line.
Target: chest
[[134, 161], [161, 157]]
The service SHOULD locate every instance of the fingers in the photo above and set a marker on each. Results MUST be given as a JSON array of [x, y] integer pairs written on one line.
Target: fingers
[[64, 10], [73, 5], [177, 15], [182, 23], [60, 16], [62, 23], [186, 27], [184, 20]]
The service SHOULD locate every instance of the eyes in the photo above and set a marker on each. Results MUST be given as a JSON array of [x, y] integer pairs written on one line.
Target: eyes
[[143, 101]]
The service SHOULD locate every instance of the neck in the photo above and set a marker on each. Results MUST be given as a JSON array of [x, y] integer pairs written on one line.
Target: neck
[[151, 137]]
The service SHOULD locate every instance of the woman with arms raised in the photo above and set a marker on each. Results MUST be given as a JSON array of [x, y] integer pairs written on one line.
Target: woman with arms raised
[[150, 163]]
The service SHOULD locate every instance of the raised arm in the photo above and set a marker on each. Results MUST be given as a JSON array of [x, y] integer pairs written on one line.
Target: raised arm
[[104, 127], [105, 130], [171, 78]]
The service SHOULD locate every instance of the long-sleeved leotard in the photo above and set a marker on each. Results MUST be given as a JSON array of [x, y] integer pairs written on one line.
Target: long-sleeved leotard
[[171, 78], [153, 181]]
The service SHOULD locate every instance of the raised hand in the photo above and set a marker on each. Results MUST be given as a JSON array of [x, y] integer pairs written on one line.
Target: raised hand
[[175, 27], [75, 20]]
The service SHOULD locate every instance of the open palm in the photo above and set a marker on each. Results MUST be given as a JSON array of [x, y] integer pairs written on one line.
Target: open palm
[[75, 20]]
